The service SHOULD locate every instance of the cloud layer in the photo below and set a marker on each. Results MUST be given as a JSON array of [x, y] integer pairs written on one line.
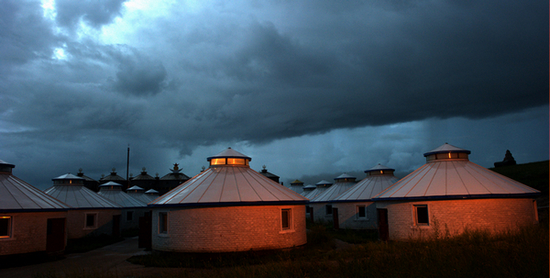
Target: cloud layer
[[86, 78]]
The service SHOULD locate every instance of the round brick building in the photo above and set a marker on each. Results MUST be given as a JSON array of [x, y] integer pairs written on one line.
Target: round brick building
[[449, 195], [228, 208]]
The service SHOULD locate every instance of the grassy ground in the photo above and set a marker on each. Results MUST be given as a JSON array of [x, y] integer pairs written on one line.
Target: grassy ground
[[474, 254]]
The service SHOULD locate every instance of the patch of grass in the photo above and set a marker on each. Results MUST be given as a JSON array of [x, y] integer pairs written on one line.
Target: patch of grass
[[89, 243], [472, 254]]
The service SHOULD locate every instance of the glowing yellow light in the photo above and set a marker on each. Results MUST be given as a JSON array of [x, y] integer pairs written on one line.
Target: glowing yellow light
[[235, 161], [217, 161]]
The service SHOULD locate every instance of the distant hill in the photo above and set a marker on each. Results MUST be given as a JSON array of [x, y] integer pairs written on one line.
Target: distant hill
[[534, 174]]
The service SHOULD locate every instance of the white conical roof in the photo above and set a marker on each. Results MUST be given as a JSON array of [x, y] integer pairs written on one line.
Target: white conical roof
[[17, 195], [451, 178], [136, 189], [228, 185], [370, 186], [113, 191], [320, 188], [343, 183], [69, 189]]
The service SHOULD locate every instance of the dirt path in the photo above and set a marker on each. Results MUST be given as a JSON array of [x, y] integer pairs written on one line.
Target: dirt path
[[109, 261]]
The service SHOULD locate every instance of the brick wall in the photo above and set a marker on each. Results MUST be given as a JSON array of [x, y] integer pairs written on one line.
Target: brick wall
[[348, 217], [455, 216], [76, 221], [228, 229], [319, 212], [29, 231]]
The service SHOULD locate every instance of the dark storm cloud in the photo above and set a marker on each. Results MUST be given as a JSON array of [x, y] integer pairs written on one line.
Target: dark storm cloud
[[139, 75], [93, 12], [257, 71], [430, 59], [24, 33]]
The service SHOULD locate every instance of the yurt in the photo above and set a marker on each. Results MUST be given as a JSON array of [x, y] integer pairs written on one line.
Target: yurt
[[228, 208], [269, 175], [171, 180], [152, 194], [449, 195], [30, 220], [307, 189], [132, 208], [355, 207], [321, 205], [319, 188], [90, 213], [139, 193]]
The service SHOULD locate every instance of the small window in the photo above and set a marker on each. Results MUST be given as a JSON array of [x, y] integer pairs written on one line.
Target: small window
[[328, 209], [129, 215], [235, 161], [286, 219], [307, 209], [422, 216], [163, 222], [5, 226], [91, 220], [361, 212], [217, 161]]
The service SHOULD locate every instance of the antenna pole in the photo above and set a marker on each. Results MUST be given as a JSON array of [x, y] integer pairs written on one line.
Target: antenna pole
[[128, 167]]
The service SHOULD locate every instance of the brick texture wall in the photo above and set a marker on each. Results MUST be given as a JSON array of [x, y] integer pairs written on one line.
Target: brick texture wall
[[28, 232], [228, 229], [348, 217], [76, 221], [455, 216]]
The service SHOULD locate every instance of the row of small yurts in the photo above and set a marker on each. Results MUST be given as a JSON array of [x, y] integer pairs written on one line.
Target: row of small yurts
[[448, 193], [230, 207], [35, 221]]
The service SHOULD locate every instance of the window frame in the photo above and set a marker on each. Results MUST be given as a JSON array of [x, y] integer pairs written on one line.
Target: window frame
[[289, 223], [418, 217], [9, 227], [328, 210], [130, 213], [163, 226], [358, 212], [95, 219]]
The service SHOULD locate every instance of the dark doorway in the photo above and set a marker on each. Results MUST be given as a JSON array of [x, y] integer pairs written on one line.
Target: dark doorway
[[383, 230], [116, 225], [335, 218], [311, 214], [145, 231], [55, 235]]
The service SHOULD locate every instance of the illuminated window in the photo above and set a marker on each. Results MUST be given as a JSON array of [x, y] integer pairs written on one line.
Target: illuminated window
[[235, 161], [163, 222], [361, 212], [217, 161], [421, 214], [328, 209], [91, 220], [286, 219], [5, 226]]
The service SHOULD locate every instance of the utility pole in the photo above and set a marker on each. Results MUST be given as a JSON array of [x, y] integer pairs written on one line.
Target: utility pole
[[128, 167]]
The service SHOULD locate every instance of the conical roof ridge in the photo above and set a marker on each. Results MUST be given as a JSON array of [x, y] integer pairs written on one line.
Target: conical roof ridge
[[447, 148], [379, 167], [229, 153]]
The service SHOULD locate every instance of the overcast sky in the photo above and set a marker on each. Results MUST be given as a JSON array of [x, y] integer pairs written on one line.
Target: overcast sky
[[311, 89]]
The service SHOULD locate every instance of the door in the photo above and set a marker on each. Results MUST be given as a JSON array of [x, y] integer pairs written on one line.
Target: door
[[55, 235], [145, 231], [116, 225], [383, 229], [335, 218]]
